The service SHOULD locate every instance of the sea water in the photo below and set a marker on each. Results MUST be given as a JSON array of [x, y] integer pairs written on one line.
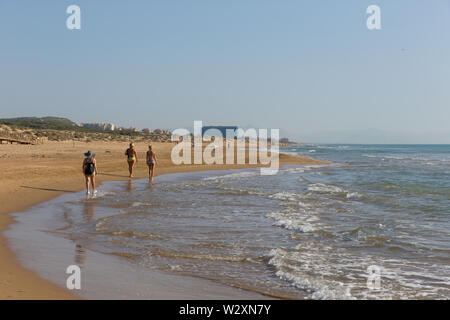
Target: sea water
[[372, 224]]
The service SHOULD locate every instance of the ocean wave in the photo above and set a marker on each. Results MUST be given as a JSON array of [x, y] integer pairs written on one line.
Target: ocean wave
[[133, 234], [140, 204], [176, 267], [353, 195], [238, 175], [294, 170], [295, 221], [398, 157], [241, 191], [328, 188], [315, 267], [102, 227], [302, 169], [331, 147], [285, 196], [317, 287], [199, 256]]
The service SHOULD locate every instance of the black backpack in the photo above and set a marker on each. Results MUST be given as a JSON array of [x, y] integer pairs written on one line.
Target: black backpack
[[89, 168]]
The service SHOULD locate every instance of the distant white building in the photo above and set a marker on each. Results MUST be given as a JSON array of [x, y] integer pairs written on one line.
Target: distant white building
[[162, 131], [99, 126]]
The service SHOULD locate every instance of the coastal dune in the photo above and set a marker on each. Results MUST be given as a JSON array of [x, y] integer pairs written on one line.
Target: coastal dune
[[33, 174]]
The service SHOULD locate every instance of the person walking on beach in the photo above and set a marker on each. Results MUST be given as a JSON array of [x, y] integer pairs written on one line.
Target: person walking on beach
[[90, 170], [132, 158], [151, 162]]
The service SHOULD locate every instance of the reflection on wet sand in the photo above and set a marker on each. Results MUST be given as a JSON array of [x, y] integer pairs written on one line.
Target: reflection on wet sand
[[80, 255], [88, 214], [130, 186], [88, 210]]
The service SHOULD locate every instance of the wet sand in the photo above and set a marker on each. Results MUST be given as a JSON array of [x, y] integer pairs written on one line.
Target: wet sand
[[34, 174]]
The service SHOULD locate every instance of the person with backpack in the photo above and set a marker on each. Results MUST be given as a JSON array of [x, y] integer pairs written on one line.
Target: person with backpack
[[90, 170]]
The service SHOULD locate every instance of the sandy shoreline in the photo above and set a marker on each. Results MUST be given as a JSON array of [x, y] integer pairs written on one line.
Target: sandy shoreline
[[34, 174]]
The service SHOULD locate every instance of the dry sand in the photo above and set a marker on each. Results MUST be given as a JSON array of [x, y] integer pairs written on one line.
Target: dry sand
[[33, 174]]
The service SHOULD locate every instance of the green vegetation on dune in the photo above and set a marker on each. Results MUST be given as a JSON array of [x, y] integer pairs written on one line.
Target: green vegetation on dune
[[52, 123]]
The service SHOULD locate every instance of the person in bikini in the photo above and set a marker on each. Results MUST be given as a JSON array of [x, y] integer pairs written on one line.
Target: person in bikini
[[90, 170], [132, 158], [151, 162]]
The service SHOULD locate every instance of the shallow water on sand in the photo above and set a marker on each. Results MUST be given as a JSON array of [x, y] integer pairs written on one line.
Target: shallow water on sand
[[321, 232]]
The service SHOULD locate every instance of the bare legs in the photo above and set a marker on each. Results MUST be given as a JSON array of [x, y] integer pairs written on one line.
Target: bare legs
[[150, 172], [93, 183], [130, 168], [92, 178]]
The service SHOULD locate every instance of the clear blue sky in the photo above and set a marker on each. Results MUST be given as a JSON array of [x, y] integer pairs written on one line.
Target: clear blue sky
[[311, 68]]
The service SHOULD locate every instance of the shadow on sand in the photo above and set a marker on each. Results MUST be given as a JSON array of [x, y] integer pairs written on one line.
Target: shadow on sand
[[47, 189]]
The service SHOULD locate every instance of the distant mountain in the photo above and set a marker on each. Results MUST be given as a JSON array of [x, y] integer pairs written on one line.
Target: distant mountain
[[53, 123]]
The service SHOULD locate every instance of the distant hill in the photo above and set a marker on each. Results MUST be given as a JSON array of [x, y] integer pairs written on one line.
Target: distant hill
[[52, 123]]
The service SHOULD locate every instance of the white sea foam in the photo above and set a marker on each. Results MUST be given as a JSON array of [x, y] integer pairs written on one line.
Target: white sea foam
[[285, 196], [241, 191], [317, 287], [294, 170], [175, 267], [353, 195], [322, 187], [238, 175], [302, 220], [315, 267], [303, 169], [138, 204], [331, 147], [100, 194], [412, 158]]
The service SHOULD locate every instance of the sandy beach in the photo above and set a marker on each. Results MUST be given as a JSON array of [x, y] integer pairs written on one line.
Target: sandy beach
[[33, 174]]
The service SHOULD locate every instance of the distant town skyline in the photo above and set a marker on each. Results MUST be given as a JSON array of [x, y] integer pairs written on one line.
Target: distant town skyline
[[310, 68]]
